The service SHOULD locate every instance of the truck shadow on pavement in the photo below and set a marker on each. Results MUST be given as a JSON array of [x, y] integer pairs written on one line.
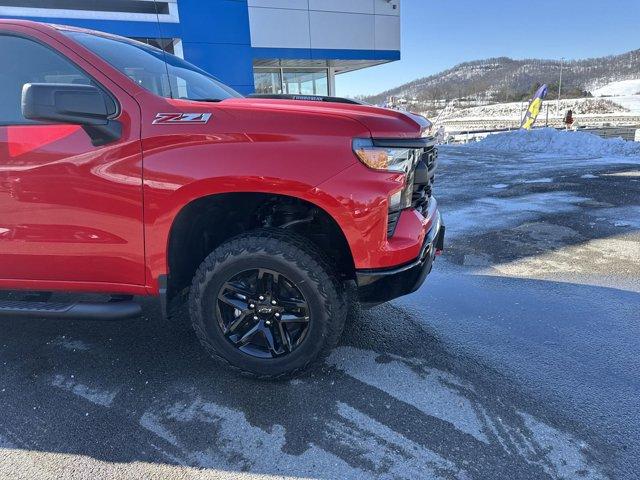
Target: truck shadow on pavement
[[388, 403]]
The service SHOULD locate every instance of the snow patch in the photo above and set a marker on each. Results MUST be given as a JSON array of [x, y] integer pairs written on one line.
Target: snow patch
[[153, 423], [237, 445], [389, 452], [434, 392], [71, 345], [565, 455], [97, 396], [630, 173], [551, 141], [512, 111], [430, 392], [490, 214], [619, 89], [629, 102], [540, 180], [571, 263]]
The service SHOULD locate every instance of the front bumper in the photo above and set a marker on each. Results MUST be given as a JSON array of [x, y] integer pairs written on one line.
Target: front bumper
[[376, 286]]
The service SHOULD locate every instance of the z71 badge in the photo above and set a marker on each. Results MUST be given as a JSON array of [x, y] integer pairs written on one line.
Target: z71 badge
[[165, 118]]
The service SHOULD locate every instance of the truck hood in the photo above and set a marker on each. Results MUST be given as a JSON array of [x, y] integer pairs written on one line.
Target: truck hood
[[381, 122]]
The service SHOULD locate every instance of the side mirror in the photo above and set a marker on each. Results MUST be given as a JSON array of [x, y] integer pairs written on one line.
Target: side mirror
[[63, 103], [71, 104]]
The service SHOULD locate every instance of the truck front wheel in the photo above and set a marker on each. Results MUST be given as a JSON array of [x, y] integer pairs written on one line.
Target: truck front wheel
[[267, 304]]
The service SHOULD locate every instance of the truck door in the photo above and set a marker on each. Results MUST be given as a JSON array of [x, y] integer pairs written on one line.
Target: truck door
[[70, 212]]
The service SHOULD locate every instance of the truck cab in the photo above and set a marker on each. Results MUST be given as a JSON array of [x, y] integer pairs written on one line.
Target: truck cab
[[127, 171]]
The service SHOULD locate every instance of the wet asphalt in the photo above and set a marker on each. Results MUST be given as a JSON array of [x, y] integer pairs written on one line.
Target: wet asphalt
[[518, 359]]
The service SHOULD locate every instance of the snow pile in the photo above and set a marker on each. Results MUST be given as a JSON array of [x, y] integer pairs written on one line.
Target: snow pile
[[549, 140], [619, 89]]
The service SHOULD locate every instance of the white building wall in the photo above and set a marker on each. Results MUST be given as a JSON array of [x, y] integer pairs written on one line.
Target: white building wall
[[325, 24]]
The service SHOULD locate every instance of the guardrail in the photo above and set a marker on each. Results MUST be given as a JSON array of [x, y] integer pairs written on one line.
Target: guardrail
[[626, 133], [493, 124]]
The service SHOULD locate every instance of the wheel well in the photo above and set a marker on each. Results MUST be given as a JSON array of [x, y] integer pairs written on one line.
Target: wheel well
[[206, 223]]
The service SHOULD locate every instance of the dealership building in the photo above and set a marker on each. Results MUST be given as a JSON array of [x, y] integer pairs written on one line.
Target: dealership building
[[264, 46]]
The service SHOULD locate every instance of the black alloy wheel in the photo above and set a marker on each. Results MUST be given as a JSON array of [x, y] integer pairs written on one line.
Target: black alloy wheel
[[267, 303], [262, 313]]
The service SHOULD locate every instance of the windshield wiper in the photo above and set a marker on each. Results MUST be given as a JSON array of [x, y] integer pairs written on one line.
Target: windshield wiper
[[210, 100]]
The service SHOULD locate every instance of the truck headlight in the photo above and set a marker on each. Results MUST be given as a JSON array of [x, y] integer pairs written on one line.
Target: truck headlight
[[401, 160]]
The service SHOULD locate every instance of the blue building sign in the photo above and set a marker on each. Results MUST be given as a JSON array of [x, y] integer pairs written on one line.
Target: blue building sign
[[269, 46]]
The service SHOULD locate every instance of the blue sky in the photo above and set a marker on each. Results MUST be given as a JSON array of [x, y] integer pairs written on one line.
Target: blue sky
[[438, 34]]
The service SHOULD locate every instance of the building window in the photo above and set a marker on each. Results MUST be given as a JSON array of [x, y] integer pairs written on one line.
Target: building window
[[306, 82], [291, 81], [121, 6], [268, 81], [166, 44]]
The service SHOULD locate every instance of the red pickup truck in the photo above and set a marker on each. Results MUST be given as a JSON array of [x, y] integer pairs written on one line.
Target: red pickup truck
[[127, 171]]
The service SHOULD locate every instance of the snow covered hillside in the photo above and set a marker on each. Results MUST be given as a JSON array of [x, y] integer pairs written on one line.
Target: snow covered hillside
[[625, 93], [505, 79], [551, 141], [619, 89], [631, 103]]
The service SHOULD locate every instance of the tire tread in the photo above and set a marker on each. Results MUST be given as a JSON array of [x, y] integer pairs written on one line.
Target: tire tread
[[293, 248]]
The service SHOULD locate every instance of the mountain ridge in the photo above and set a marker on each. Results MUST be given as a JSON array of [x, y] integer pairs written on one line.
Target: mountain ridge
[[501, 79]]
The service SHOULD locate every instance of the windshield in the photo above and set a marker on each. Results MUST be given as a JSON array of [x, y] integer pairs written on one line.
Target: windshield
[[146, 66]]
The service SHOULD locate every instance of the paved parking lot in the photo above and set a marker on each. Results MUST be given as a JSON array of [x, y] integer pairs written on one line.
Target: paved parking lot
[[518, 359]]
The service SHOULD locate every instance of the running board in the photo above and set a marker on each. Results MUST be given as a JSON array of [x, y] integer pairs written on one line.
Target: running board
[[113, 310]]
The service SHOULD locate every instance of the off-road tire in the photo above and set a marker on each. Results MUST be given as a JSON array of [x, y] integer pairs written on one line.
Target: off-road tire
[[301, 262]]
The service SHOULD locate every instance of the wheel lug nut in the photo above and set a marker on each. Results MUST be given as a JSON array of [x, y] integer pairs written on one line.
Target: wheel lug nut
[[277, 315], [273, 302], [251, 305], [260, 298], [255, 317], [267, 323]]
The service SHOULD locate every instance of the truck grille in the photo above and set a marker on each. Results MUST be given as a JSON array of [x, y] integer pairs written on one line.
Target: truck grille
[[419, 187], [393, 222], [422, 191]]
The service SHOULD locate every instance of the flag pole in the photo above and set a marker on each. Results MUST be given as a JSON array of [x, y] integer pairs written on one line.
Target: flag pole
[[560, 84]]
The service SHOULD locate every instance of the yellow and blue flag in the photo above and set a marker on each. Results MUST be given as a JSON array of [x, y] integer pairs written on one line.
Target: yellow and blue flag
[[534, 108]]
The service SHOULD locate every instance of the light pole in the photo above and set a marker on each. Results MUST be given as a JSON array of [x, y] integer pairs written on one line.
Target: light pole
[[560, 84]]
